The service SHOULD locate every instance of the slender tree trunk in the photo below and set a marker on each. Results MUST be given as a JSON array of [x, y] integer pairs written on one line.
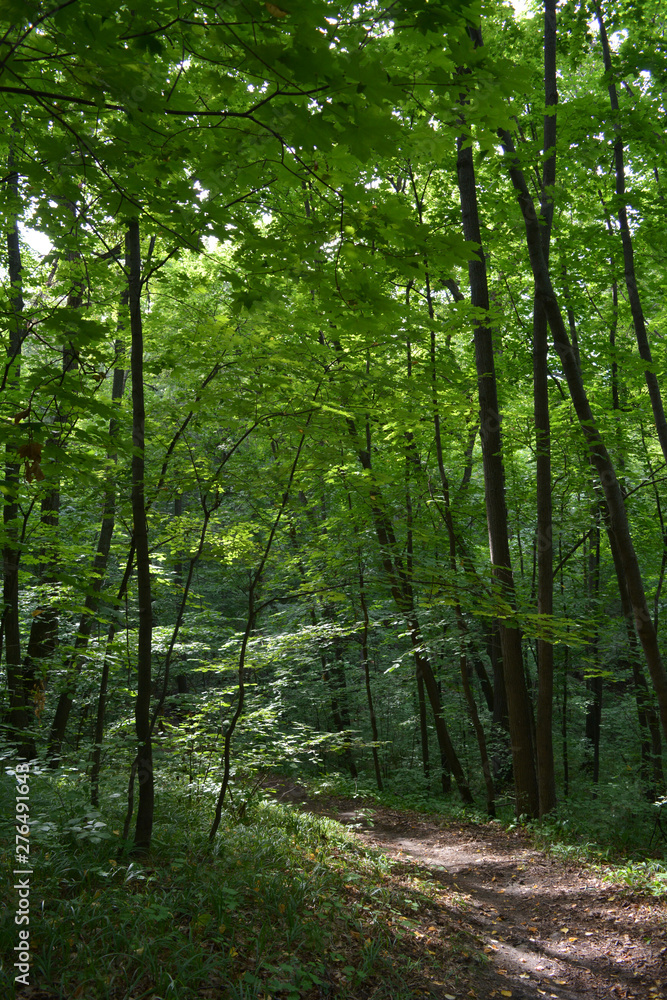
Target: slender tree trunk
[[365, 657], [333, 675], [478, 728], [43, 639], [333, 671], [365, 660], [423, 725], [144, 824], [594, 682], [463, 638], [649, 724], [181, 677], [634, 298], [663, 532], [518, 703], [502, 756], [108, 515], [448, 754], [92, 600], [412, 462], [598, 454], [96, 764], [545, 649], [402, 592], [451, 533], [401, 589], [563, 726], [566, 666], [18, 689]]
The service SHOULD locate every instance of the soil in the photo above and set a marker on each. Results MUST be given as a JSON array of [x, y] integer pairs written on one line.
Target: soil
[[548, 929]]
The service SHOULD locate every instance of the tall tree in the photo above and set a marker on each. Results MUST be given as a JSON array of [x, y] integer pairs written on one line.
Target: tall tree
[[545, 651], [597, 451], [634, 297], [144, 824], [518, 702], [11, 637]]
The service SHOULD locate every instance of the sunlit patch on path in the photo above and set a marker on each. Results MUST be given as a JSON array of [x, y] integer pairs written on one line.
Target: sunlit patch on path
[[547, 929]]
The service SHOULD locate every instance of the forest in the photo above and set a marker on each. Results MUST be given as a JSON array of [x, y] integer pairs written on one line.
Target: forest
[[334, 462]]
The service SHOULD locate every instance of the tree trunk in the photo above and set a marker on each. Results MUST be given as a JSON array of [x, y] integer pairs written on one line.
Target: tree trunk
[[649, 725], [19, 694], [250, 625], [333, 675], [109, 515], [423, 727], [638, 319], [545, 649], [401, 590], [594, 682], [92, 600], [463, 637], [365, 660], [563, 726], [144, 824], [598, 454], [365, 657], [518, 703], [43, 638]]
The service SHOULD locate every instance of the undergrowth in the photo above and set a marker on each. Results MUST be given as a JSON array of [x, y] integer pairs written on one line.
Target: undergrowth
[[284, 905]]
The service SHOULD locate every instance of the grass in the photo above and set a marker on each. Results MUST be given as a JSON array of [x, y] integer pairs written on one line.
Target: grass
[[285, 906]]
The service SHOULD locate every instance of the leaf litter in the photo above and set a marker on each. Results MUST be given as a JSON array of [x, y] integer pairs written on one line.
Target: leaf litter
[[545, 928]]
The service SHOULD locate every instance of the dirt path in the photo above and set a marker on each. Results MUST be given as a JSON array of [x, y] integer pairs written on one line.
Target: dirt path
[[548, 929]]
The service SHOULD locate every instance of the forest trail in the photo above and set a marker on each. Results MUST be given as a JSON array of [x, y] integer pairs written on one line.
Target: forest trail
[[549, 929]]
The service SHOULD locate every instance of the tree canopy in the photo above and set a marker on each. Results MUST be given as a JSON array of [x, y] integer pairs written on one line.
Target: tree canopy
[[332, 415]]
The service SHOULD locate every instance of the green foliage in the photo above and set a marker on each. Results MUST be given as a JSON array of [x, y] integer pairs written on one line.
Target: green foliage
[[285, 903], [617, 824], [305, 294]]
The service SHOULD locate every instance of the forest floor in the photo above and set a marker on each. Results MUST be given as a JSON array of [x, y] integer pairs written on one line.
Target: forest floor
[[547, 928]]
